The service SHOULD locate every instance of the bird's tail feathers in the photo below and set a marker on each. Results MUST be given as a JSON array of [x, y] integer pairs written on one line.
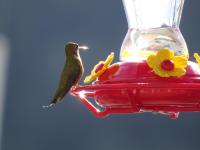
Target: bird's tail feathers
[[53, 102]]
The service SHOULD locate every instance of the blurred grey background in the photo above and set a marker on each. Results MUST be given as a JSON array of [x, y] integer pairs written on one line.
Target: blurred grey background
[[37, 31]]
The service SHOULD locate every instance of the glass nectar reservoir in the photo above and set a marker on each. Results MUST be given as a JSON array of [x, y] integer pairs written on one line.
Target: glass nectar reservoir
[[153, 25]]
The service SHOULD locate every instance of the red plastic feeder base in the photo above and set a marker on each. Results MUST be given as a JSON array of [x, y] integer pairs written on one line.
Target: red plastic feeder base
[[132, 87]]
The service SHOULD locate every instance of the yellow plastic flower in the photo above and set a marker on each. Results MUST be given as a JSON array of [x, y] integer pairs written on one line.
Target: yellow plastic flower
[[99, 69], [197, 57], [165, 64]]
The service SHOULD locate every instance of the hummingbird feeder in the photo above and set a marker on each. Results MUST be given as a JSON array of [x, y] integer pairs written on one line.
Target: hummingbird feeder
[[154, 73]]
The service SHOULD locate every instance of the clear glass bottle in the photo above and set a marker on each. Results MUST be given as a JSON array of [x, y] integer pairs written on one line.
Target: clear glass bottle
[[153, 25]]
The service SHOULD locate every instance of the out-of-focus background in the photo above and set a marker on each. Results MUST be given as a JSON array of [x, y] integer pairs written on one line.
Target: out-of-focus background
[[32, 38]]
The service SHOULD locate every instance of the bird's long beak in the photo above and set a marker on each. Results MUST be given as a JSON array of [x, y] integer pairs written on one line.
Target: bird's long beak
[[85, 48]]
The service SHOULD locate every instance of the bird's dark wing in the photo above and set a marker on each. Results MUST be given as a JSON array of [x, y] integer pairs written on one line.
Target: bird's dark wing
[[69, 77]]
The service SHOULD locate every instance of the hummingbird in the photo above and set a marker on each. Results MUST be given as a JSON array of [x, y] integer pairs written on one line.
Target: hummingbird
[[71, 73]]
